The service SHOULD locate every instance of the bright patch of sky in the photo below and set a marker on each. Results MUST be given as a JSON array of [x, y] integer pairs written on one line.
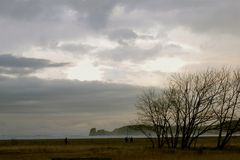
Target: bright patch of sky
[[84, 70]]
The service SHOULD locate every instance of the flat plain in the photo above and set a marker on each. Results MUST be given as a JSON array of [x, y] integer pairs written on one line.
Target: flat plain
[[116, 149]]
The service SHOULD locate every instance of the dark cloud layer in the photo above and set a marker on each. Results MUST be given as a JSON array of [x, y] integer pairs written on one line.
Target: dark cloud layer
[[37, 108], [22, 62], [13, 65], [31, 95]]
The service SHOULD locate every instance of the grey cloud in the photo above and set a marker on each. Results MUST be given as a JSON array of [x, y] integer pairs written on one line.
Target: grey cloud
[[38, 23], [29, 10], [200, 16], [26, 23], [19, 36], [37, 108], [137, 54], [120, 34], [167, 6], [75, 48], [173, 46], [16, 71], [19, 9], [96, 12], [198, 67], [11, 61], [93, 12], [31, 95], [137, 77], [130, 53], [220, 18], [174, 50], [10, 64]]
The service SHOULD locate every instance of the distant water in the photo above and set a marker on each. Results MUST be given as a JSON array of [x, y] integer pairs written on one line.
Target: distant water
[[3, 137], [7, 137]]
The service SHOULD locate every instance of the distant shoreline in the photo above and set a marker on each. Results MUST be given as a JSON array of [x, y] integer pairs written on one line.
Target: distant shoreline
[[90, 137]]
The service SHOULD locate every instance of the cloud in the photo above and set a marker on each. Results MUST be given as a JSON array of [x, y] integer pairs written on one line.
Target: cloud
[[93, 12], [136, 76], [142, 50], [13, 65], [32, 106], [23, 62], [200, 16], [26, 23], [75, 48], [122, 35], [32, 95], [140, 30], [130, 53]]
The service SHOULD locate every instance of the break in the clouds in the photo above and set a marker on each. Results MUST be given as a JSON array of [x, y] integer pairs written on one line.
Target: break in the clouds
[[135, 42]]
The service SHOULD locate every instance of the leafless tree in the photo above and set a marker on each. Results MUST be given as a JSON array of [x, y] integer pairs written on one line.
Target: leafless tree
[[196, 94], [227, 108], [149, 111], [193, 104], [171, 113]]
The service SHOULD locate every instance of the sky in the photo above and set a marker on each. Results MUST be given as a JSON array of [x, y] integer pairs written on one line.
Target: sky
[[69, 65]]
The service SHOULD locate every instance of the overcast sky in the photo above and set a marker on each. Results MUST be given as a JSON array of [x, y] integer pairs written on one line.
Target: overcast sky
[[69, 65]]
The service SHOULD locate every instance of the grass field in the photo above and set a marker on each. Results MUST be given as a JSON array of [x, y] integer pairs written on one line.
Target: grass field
[[116, 149]]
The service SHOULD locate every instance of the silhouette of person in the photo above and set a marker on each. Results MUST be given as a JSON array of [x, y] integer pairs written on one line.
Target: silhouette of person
[[66, 141], [126, 139], [131, 139]]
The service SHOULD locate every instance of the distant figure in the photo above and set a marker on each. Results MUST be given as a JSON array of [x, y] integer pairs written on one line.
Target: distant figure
[[131, 139], [66, 141], [126, 139]]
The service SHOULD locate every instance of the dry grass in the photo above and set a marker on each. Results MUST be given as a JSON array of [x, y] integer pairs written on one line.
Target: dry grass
[[113, 148]]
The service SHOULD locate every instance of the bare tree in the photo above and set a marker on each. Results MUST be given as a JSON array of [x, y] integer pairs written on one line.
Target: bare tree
[[171, 114], [193, 104], [149, 112], [196, 94], [227, 107]]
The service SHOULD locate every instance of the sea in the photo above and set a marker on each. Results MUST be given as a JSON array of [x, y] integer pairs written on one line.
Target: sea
[[35, 137]]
